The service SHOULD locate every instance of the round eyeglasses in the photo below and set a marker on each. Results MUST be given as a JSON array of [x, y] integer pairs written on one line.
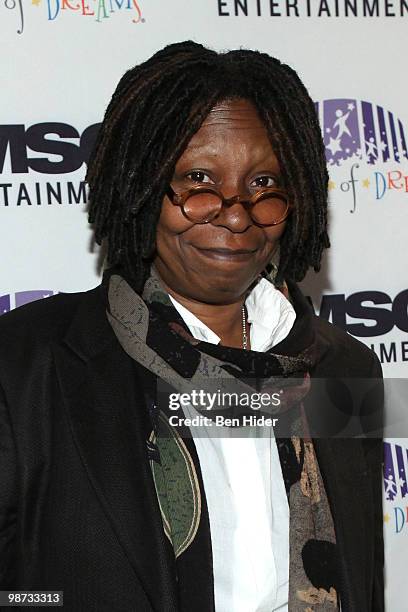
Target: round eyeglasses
[[202, 204]]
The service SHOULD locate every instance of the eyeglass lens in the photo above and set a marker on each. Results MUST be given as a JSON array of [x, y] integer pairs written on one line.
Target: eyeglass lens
[[270, 208]]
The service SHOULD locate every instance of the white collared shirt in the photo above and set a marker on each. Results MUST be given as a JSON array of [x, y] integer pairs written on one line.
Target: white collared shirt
[[243, 483], [270, 314]]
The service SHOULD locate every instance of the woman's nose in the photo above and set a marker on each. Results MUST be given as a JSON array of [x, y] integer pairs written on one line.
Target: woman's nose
[[234, 215]]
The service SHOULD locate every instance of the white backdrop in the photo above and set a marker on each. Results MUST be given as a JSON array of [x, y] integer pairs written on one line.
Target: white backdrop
[[61, 60]]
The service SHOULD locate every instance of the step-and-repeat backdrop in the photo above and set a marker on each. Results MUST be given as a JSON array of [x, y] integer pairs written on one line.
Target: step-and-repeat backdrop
[[60, 61]]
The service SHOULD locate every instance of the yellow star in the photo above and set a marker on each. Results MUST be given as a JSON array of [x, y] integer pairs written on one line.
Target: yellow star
[[386, 518], [366, 183], [331, 185], [35, 2]]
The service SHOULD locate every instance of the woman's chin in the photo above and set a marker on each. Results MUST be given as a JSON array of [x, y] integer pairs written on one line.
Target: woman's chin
[[222, 291]]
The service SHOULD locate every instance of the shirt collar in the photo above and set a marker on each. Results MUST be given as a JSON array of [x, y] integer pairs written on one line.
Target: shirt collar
[[271, 316]]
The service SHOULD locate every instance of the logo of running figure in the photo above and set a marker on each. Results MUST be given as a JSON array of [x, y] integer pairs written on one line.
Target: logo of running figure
[[395, 479], [360, 130]]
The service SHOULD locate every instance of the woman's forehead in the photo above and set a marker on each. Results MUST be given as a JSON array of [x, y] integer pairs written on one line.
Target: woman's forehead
[[233, 114], [229, 126]]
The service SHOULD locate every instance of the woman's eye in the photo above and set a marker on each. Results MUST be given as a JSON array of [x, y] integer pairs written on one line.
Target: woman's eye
[[197, 176], [264, 181]]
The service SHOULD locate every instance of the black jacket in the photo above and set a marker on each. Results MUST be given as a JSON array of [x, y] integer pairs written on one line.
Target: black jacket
[[78, 508]]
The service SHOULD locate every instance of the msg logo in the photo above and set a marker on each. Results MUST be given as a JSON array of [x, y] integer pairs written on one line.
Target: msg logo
[[379, 313]]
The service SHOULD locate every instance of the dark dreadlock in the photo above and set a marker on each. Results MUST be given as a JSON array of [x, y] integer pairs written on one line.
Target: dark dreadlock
[[157, 108]]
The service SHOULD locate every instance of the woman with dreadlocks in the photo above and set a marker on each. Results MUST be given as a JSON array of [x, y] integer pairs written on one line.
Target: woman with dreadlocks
[[208, 185]]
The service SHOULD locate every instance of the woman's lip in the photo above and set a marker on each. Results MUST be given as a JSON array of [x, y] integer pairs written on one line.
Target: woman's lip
[[226, 254]]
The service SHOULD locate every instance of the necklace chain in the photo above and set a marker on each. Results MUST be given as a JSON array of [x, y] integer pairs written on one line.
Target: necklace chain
[[244, 330]]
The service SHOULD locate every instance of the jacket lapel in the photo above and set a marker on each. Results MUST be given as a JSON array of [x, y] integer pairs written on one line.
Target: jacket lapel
[[341, 462], [105, 410]]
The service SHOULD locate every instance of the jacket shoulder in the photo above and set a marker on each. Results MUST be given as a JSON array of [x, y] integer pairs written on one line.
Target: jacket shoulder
[[345, 355], [41, 321]]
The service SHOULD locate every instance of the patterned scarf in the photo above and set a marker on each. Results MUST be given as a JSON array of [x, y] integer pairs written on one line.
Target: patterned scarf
[[152, 333]]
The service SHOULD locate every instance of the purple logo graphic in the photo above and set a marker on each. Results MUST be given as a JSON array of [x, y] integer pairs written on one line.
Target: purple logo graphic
[[10, 301], [395, 475], [360, 130], [395, 487]]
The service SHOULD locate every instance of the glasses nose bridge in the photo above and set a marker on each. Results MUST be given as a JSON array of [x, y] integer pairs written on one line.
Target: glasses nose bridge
[[239, 218], [236, 199]]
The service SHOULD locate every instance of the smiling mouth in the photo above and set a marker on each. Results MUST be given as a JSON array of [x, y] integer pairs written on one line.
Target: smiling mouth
[[226, 254]]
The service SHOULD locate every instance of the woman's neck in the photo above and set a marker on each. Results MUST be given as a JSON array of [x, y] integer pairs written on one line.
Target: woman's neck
[[225, 320]]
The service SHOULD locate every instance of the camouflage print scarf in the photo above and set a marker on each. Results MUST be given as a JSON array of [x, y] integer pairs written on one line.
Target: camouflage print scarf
[[152, 333]]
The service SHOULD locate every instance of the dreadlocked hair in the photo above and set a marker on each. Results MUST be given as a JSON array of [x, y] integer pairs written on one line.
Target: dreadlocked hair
[[156, 109]]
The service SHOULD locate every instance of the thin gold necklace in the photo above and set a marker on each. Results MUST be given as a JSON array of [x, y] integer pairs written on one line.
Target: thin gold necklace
[[244, 330]]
